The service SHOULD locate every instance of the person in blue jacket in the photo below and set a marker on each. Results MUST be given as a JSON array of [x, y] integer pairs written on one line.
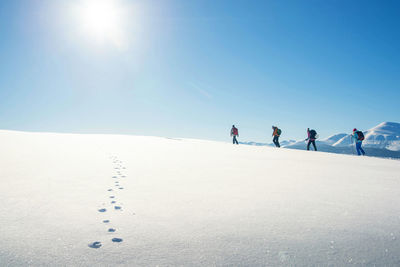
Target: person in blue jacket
[[358, 138]]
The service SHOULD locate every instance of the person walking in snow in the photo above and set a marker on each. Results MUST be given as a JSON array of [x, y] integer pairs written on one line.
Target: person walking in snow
[[276, 133], [234, 133], [312, 136], [358, 137]]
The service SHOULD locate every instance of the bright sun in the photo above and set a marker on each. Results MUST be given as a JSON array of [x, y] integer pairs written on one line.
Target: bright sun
[[102, 20]]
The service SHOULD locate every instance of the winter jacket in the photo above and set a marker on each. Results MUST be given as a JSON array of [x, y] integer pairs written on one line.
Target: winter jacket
[[312, 138], [275, 133], [234, 132], [354, 136]]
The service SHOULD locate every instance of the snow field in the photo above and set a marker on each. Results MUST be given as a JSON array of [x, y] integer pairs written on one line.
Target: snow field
[[192, 202]]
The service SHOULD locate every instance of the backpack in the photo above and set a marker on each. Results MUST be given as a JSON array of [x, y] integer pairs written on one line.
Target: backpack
[[235, 131], [360, 135], [278, 132], [313, 134]]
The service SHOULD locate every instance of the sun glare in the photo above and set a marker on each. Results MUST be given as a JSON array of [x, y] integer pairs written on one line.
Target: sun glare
[[102, 20]]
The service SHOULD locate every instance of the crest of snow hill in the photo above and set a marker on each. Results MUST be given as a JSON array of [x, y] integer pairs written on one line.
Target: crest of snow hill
[[382, 140]]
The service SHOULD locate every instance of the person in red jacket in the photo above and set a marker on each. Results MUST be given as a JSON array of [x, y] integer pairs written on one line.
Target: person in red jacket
[[234, 133]]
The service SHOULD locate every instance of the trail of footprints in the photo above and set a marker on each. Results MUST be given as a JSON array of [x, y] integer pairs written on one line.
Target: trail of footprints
[[117, 207]]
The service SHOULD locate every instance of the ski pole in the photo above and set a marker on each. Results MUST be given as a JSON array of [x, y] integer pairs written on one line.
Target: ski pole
[[352, 146]]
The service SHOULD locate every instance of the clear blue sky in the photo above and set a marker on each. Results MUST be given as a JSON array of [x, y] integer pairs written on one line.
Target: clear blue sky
[[194, 68]]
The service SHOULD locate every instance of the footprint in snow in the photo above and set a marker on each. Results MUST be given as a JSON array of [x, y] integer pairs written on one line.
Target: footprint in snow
[[112, 196], [113, 202], [116, 239], [111, 230], [106, 221], [109, 190], [117, 207], [96, 244], [121, 188], [115, 177], [102, 210]]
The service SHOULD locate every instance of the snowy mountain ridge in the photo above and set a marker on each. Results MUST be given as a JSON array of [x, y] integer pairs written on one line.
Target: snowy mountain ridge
[[382, 140], [383, 136]]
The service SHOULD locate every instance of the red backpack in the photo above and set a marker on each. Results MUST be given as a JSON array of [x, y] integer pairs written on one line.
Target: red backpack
[[235, 131]]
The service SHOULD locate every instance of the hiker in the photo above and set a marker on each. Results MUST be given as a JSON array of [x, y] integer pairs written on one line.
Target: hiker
[[358, 137], [312, 136], [234, 133], [276, 133]]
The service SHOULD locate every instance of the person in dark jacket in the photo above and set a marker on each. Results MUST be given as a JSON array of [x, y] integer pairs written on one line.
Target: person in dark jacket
[[276, 134], [312, 136], [235, 134]]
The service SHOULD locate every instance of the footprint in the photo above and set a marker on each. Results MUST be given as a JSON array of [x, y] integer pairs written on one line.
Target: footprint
[[109, 190], [102, 210], [115, 177], [106, 221], [97, 244], [123, 176], [111, 230], [116, 239], [121, 188], [117, 207], [113, 202], [112, 196]]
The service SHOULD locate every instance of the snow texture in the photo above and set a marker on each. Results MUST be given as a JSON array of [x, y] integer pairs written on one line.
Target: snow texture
[[384, 136], [192, 203], [380, 141]]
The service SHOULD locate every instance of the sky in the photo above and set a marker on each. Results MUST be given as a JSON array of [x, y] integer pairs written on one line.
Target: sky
[[178, 68]]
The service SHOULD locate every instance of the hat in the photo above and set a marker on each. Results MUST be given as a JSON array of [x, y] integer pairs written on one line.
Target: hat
[[354, 129]]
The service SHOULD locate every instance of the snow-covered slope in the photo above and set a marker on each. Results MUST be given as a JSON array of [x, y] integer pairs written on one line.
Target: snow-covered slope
[[350, 149], [281, 142], [286, 142], [251, 143], [333, 138], [181, 202], [345, 141], [380, 141], [384, 136]]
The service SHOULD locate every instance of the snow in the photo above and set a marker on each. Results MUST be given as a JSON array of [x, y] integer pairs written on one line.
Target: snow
[[333, 138], [191, 202], [383, 136], [281, 142], [382, 140]]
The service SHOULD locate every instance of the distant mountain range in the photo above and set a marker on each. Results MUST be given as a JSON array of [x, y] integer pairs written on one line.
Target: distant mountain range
[[283, 143], [382, 140]]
